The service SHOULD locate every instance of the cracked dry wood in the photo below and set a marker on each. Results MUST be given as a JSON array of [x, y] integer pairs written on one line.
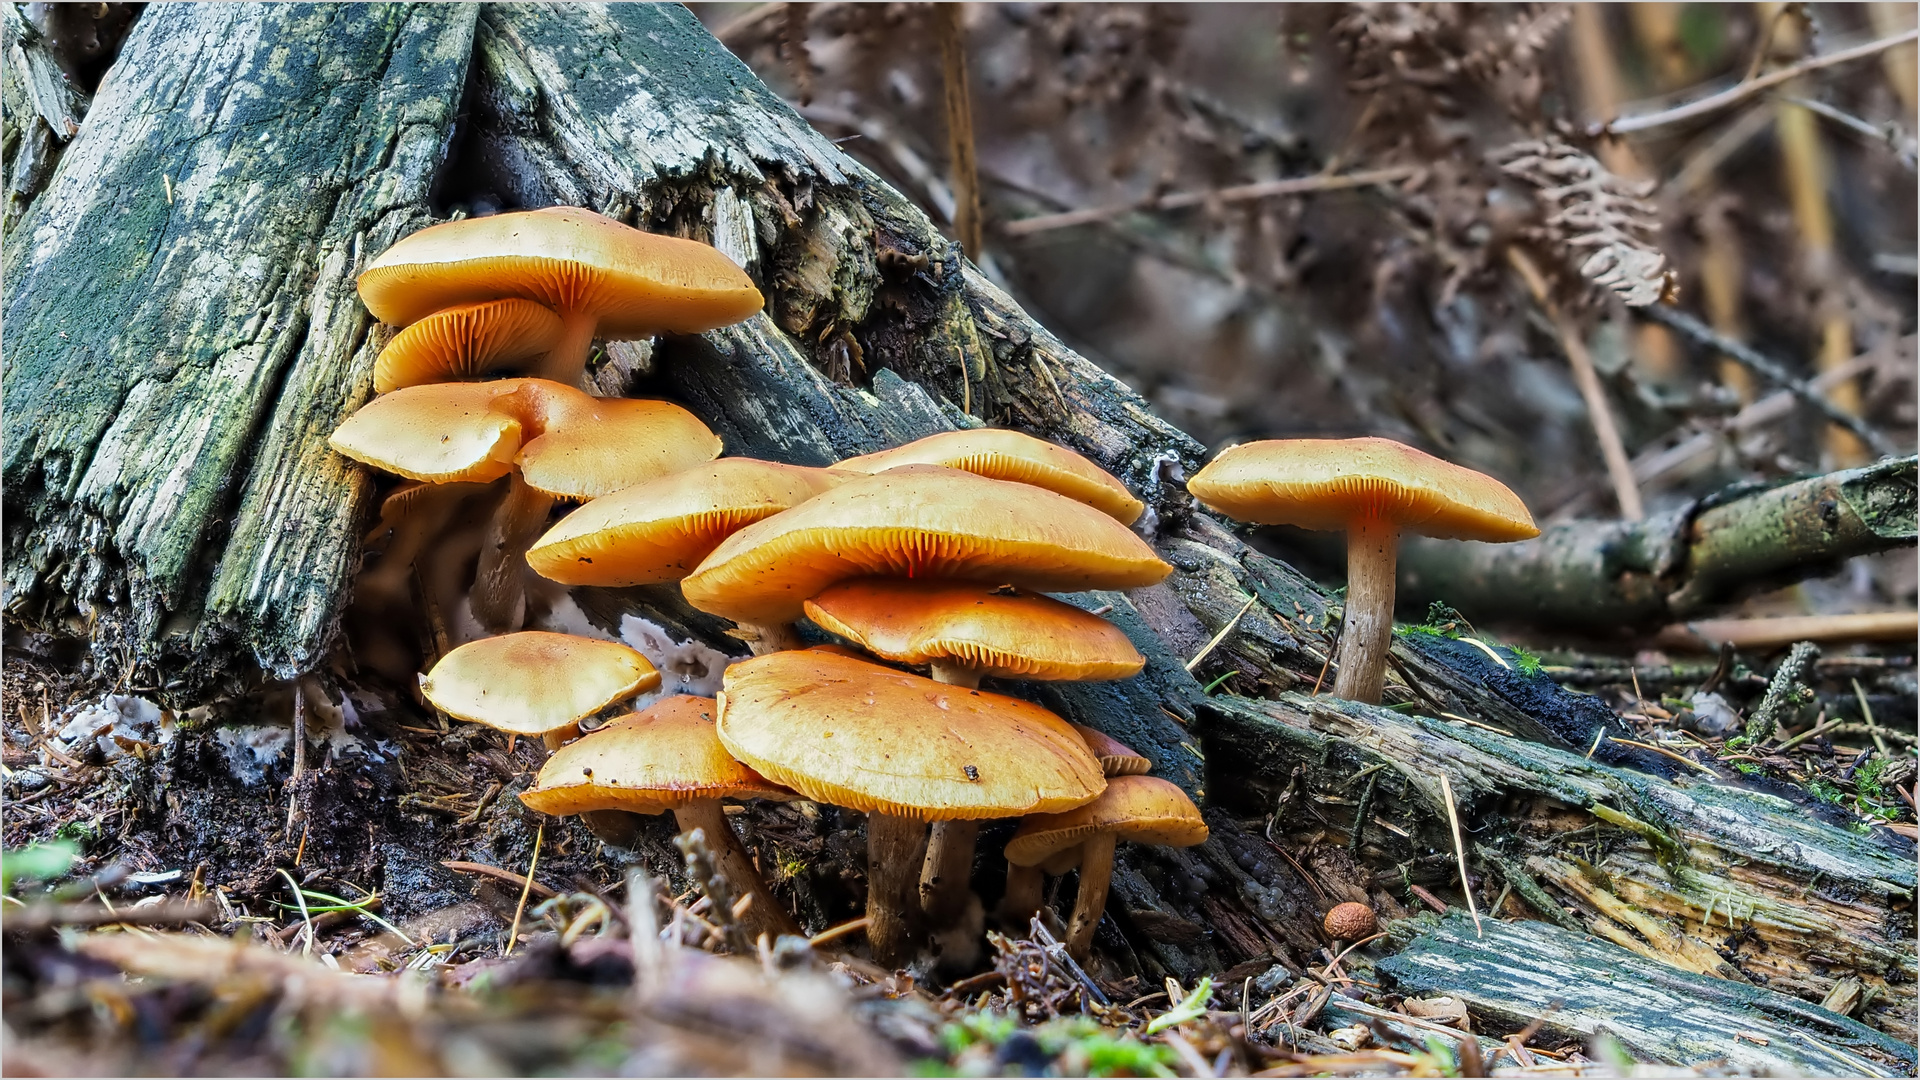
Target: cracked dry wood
[[1704, 876]]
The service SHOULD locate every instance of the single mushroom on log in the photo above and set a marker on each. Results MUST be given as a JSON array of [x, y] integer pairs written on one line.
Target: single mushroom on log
[[1001, 454], [917, 521], [963, 631], [905, 750], [550, 440], [535, 682], [667, 757], [1373, 490], [1143, 809], [599, 276]]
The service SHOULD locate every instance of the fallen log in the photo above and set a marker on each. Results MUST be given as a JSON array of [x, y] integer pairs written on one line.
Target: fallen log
[[1521, 972], [1605, 576], [1704, 875]]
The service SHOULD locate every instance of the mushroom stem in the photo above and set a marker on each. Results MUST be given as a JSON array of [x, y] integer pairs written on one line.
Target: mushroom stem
[[1022, 900], [946, 671], [617, 827], [1367, 632], [499, 594], [1096, 874], [893, 853], [948, 869], [567, 362], [765, 914], [764, 638]]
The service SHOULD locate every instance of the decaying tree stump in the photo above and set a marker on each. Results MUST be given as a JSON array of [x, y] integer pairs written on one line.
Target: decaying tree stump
[[182, 335]]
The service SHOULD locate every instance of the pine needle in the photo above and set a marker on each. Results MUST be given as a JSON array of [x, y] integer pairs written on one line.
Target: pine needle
[[513, 935], [1460, 853]]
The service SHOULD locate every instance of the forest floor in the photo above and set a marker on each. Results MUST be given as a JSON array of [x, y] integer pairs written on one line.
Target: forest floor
[[180, 902]]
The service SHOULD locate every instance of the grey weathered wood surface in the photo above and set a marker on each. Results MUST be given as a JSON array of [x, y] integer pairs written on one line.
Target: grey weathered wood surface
[[181, 327], [1610, 575], [1704, 874], [1519, 971], [165, 468]]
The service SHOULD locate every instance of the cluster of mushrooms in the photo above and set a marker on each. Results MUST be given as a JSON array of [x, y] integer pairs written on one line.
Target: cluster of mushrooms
[[933, 556]]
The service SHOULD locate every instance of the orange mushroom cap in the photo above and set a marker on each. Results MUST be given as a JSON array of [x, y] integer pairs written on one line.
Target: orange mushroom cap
[[1143, 809], [993, 630], [918, 521], [534, 682], [465, 341], [664, 756], [1329, 483], [854, 734], [1000, 454], [1116, 757], [637, 283], [567, 443], [660, 530]]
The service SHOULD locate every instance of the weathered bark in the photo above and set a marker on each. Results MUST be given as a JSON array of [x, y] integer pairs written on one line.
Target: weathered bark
[[166, 467], [182, 332], [42, 111], [1698, 874], [1613, 575], [1526, 971]]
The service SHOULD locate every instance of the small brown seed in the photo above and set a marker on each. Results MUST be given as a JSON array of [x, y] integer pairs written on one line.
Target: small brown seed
[[1350, 922]]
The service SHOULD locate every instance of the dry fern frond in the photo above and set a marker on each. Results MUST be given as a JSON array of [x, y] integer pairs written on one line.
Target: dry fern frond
[[1599, 221]]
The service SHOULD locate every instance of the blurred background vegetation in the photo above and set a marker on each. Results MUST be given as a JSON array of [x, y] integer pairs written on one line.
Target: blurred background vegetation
[[1785, 221]]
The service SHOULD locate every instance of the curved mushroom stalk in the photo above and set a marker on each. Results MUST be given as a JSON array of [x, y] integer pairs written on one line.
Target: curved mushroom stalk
[[764, 638], [566, 362], [1096, 876], [893, 851], [948, 868], [765, 915], [1366, 633], [499, 594], [1021, 902]]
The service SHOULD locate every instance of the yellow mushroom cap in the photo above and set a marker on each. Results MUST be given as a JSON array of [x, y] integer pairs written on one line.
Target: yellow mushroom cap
[[1116, 757], [1143, 809], [918, 521], [664, 756], [660, 530], [534, 682], [1001, 454], [1330, 483], [992, 629], [569, 259], [465, 341], [587, 446], [843, 731], [567, 443], [438, 433]]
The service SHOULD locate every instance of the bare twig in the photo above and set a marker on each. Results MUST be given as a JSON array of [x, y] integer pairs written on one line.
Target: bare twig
[[1626, 491], [1739, 92], [1887, 135], [463, 867], [960, 145], [513, 934], [1207, 649], [1266, 189], [1770, 369], [1460, 850], [37, 917]]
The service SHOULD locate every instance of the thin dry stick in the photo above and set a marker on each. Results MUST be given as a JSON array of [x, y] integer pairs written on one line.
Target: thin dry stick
[[960, 146], [513, 935], [1181, 200], [1460, 852], [833, 933], [1770, 369], [1626, 491], [1866, 713], [1207, 650], [1739, 92]]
